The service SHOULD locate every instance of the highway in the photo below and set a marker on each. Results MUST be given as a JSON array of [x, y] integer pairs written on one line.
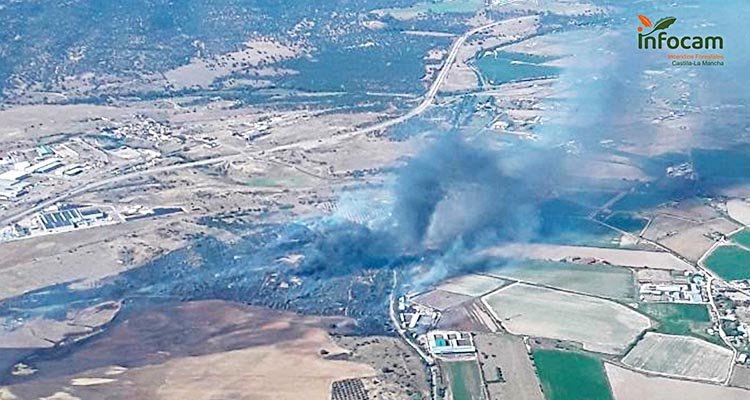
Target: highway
[[427, 100]]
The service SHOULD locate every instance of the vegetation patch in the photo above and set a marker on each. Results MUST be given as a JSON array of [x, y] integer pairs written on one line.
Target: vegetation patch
[[627, 222], [502, 66], [681, 319], [730, 262], [464, 380], [598, 280], [571, 376], [742, 238]]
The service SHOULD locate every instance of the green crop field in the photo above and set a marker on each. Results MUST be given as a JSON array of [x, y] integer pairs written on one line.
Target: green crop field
[[464, 379], [681, 319], [730, 262], [599, 280], [568, 375], [742, 238], [439, 7]]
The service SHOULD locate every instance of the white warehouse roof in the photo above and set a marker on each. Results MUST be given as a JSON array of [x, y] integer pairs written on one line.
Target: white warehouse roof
[[13, 175]]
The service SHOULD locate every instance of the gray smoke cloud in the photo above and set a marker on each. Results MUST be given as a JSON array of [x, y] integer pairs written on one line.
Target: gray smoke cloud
[[456, 190], [458, 196]]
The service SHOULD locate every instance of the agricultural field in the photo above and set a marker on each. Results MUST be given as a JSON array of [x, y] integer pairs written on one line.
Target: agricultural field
[[630, 385], [578, 231], [571, 376], [742, 238], [622, 257], [741, 376], [680, 356], [599, 325], [231, 349], [472, 285], [687, 227], [464, 380], [739, 210], [469, 317], [441, 300], [694, 241], [655, 275], [434, 7], [627, 222], [506, 367], [501, 66], [597, 280], [730, 262], [680, 319]]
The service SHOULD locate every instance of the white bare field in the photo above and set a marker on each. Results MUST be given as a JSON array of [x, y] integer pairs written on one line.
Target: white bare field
[[630, 385], [739, 210], [599, 325], [471, 285], [622, 257], [681, 356]]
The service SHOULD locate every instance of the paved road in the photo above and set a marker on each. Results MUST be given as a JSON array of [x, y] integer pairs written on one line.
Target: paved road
[[429, 97], [426, 102]]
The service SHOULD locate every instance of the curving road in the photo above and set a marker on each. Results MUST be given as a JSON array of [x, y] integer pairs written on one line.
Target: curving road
[[428, 99], [426, 102]]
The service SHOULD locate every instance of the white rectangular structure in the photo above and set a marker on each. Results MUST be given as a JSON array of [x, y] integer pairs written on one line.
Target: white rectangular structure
[[450, 342]]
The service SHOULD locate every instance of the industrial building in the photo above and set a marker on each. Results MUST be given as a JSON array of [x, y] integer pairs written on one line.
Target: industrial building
[[70, 218], [45, 166], [12, 185], [673, 293], [70, 170], [450, 342], [13, 191], [13, 176], [44, 151]]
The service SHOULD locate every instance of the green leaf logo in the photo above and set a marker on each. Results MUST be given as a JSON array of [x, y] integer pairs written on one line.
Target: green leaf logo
[[661, 24]]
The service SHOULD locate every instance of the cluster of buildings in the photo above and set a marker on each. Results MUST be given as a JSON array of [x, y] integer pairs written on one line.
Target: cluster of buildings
[[734, 310], [417, 322], [144, 127], [682, 170], [672, 293], [58, 219], [12, 185], [690, 289], [14, 178], [69, 218], [415, 318]]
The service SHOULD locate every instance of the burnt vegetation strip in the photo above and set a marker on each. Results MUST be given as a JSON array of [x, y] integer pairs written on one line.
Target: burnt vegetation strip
[[329, 282]]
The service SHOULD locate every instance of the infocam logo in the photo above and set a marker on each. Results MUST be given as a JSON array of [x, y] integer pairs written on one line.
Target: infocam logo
[[658, 38]]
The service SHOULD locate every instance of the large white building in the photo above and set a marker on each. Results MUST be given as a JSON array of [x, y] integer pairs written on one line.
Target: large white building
[[14, 175], [45, 166], [11, 185], [450, 342]]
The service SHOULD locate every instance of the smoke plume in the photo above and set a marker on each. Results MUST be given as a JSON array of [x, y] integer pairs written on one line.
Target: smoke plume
[[455, 190]]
